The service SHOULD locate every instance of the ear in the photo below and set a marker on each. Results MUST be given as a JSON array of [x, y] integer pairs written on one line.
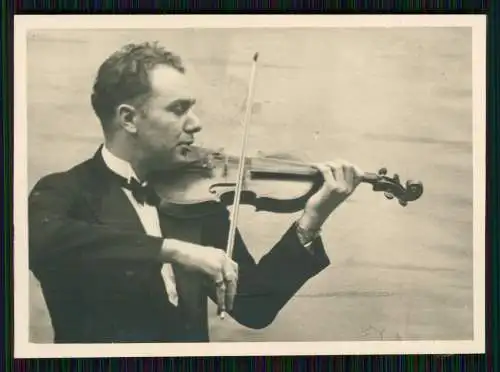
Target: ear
[[127, 117]]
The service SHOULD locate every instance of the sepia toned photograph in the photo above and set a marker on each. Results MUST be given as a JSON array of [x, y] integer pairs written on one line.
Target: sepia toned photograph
[[249, 185]]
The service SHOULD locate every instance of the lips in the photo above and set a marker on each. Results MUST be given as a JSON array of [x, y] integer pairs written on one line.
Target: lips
[[186, 143], [185, 147]]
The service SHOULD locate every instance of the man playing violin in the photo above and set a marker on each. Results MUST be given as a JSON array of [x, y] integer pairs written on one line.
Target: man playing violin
[[114, 269]]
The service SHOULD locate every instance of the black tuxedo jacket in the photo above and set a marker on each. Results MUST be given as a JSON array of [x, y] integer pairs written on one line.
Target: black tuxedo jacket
[[101, 275]]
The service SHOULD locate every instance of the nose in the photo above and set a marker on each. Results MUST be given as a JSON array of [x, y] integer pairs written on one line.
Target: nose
[[192, 123]]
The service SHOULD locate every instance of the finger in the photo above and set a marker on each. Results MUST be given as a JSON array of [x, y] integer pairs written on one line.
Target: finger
[[328, 174], [220, 295], [231, 288], [358, 172], [220, 292], [353, 175], [231, 280], [340, 186], [347, 179], [338, 170], [235, 268]]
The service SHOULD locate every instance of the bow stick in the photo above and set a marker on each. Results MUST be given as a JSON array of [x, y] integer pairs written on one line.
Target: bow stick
[[241, 167]]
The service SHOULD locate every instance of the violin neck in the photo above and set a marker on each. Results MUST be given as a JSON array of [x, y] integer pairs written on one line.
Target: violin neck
[[283, 170], [283, 175], [371, 178], [305, 174]]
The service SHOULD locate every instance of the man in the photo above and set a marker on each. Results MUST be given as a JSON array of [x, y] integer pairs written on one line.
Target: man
[[114, 269]]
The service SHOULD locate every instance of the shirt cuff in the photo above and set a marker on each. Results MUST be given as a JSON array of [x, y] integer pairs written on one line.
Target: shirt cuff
[[306, 237]]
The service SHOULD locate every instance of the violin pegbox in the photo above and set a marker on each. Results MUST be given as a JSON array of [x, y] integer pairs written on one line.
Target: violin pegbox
[[392, 188]]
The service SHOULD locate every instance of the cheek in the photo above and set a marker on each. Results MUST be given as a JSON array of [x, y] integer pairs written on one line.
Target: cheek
[[162, 128]]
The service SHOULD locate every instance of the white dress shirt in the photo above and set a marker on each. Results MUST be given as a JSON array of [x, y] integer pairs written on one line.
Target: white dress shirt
[[148, 216]]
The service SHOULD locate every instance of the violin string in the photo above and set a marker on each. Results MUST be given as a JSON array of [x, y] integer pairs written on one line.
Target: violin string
[[301, 168], [235, 209]]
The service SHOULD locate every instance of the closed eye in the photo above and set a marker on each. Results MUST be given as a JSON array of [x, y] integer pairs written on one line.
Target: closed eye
[[181, 106]]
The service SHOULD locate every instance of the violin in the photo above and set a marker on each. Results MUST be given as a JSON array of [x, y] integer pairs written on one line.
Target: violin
[[206, 181], [210, 180]]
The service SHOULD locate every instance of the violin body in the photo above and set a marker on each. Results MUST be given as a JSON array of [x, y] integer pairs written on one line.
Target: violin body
[[206, 182]]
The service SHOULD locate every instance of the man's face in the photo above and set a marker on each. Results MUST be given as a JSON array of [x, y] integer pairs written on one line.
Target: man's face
[[167, 126]]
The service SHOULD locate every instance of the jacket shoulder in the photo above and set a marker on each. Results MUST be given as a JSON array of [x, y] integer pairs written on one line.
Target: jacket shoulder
[[74, 176]]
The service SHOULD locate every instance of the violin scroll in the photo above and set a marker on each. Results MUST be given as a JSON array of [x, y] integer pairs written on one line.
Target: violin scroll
[[392, 187]]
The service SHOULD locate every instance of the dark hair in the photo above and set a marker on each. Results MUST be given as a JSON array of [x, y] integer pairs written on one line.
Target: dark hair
[[124, 76]]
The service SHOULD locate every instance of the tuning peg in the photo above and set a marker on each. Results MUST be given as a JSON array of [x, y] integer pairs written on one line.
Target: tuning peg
[[382, 171], [388, 195], [396, 177], [403, 203]]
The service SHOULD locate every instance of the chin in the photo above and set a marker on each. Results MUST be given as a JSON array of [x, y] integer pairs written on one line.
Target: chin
[[170, 159]]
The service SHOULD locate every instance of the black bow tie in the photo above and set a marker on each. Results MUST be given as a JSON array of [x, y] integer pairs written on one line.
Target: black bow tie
[[142, 193]]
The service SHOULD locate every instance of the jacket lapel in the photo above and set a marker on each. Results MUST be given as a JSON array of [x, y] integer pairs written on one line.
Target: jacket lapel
[[111, 207]]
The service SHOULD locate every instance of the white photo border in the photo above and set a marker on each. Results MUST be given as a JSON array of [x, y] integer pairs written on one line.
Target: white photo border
[[24, 349]]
